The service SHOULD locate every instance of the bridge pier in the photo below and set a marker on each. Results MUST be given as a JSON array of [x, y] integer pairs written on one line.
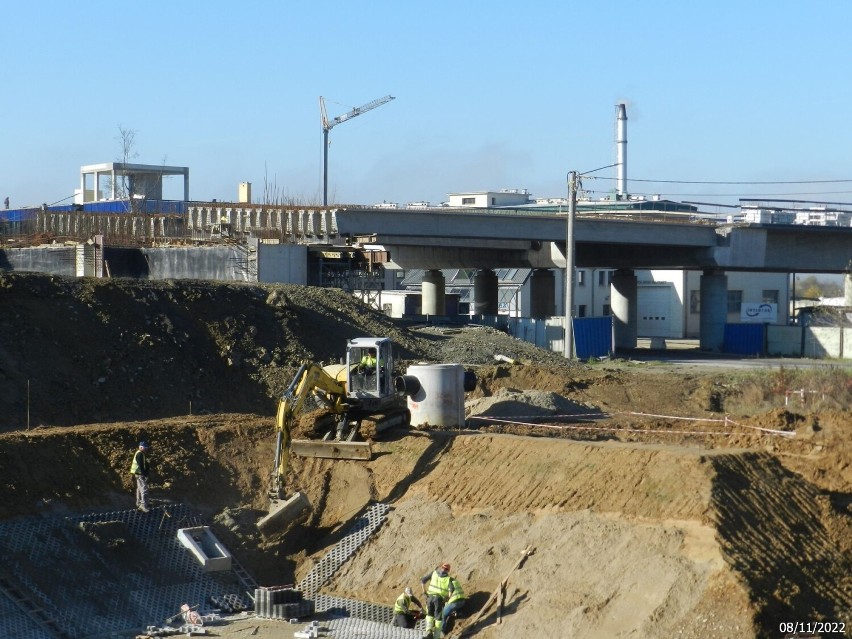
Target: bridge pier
[[847, 289], [714, 310], [485, 292], [624, 306], [542, 293], [433, 294]]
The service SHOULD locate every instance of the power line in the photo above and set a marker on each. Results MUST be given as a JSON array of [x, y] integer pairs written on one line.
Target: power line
[[738, 195], [608, 166], [738, 183]]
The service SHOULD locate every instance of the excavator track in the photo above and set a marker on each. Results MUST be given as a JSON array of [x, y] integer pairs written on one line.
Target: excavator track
[[372, 426]]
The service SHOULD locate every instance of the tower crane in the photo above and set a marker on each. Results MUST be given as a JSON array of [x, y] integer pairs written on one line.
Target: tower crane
[[327, 125]]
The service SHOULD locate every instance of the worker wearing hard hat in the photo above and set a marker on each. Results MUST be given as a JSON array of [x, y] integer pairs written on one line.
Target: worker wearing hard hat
[[403, 617], [438, 589], [139, 468]]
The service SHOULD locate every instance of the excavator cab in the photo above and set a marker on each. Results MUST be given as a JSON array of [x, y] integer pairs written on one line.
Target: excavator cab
[[369, 365]]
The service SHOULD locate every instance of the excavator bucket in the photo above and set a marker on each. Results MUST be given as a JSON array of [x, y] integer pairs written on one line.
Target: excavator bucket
[[360, 451], [282, 514]]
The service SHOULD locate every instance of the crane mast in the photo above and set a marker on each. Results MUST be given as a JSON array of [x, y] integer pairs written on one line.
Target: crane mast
[[327, 125]]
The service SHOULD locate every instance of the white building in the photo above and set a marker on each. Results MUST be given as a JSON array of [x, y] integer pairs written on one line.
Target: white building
[[490, 199]]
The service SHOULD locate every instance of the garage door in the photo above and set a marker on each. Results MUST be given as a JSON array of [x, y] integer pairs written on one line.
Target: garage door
[[654, 311]]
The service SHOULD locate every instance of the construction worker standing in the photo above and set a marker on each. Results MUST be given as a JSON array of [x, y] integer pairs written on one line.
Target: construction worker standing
[[437, 588], [455, 603], [402, 615], [139, 469]]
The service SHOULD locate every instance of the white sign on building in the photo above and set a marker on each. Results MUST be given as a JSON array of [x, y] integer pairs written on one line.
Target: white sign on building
[[759, 312]]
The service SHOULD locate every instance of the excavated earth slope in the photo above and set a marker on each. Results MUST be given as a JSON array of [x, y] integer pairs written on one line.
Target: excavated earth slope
[[638, 530]]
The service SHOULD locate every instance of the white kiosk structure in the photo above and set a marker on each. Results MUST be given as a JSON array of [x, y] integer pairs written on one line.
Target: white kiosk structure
[[123, 181]]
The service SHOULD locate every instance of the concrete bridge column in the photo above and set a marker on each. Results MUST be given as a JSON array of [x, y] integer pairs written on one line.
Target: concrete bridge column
[[624, 304], [847, 289], [542, 293], [485, 292], [714, 310], [433, 295]]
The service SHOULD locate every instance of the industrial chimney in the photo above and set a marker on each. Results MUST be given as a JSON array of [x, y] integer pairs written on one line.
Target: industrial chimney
[[621, 152]]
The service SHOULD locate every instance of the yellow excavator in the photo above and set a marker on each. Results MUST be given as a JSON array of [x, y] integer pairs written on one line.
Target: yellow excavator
[[362, 397]]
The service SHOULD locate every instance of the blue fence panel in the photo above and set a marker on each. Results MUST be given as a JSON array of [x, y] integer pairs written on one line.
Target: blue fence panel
[[17, 215], [145, 206], [592, 337], [744, 339]]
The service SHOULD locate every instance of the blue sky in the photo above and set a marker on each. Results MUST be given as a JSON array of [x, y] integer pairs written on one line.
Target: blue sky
[[489, 95]]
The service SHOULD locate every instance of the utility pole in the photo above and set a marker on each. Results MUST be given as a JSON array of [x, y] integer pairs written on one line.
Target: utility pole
[[327, 125], [569, 265]]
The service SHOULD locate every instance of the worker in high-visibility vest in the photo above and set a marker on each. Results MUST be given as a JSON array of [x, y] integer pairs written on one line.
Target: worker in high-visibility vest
[[455, 603], [438, 589], [403, 617], [139, 468]]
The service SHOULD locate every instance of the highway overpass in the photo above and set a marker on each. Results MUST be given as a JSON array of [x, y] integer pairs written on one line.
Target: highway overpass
[[487, 239], [504, 238]]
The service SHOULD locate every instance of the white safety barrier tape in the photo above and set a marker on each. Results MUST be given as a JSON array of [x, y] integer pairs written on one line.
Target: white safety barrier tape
[[690, 419], [727, 421], [610, 428], [772, 431]]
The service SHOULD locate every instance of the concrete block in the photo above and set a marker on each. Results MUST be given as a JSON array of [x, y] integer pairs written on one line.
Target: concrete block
[[205, 547]]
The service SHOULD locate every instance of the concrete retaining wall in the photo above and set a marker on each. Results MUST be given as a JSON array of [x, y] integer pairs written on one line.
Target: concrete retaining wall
[[282, 263], [287, 263], [784, 341], [822, 342], [56, 260]]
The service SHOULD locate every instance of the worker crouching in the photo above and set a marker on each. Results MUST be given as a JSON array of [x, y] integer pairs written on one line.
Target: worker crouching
[[454, 604], [403, 617]]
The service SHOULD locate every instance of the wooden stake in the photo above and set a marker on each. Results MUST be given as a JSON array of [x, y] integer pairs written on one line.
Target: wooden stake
[[500, 594]]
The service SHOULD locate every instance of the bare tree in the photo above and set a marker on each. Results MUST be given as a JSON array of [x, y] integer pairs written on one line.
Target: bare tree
[[127, 145], [276, 196]]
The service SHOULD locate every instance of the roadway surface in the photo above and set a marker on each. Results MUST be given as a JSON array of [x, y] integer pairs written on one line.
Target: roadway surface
[[686, 352]]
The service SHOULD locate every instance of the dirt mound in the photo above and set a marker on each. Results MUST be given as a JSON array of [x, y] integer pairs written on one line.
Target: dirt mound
[[528, 403], [79, 350]]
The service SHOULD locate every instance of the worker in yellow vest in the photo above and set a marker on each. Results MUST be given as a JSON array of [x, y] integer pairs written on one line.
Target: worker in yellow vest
[[455, 603], [438, 589], [140, 468], [403, 617]]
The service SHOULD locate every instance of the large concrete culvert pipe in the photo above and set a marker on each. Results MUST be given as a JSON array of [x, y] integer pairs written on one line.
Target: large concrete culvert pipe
[[436, 393]]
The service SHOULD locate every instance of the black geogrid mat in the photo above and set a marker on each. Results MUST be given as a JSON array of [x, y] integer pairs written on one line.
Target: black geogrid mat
[[350, 616], [355, 628], [361, 530], [129, 571], [58, 583]]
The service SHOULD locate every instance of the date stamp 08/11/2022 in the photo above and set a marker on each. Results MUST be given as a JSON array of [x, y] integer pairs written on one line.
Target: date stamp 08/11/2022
[[812, 628]]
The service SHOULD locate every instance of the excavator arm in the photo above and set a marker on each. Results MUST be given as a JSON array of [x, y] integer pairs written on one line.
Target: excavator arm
[[310, 380]]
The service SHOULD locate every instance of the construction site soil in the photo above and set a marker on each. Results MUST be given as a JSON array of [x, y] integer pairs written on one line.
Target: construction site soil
[[718, 524]]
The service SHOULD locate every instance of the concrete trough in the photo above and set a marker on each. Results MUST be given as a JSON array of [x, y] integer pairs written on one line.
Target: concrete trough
[[209, 551]]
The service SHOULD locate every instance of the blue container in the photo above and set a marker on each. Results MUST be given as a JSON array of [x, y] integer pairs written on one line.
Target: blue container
[[592, 337], [745, 339]]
